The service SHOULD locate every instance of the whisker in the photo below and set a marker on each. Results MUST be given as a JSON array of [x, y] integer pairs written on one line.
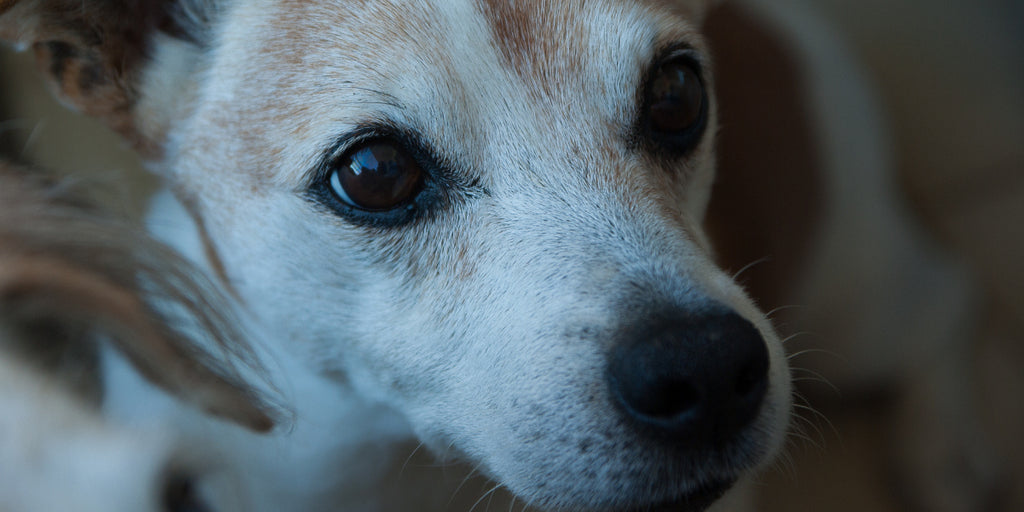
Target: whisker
[[485, 495], [784, 462], [805, 379], [387, 99], [409, 458], [819, 377], [472, 473], [444, 459], [807, 439], [790, 462], [783, 308], [818, 432], [750, 265], [796, 335], [382, 94], [837, 355], [363, 102], [490, 500], [820, 415]]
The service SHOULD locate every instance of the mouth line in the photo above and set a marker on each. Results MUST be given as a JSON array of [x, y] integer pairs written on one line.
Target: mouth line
[[697, 500]]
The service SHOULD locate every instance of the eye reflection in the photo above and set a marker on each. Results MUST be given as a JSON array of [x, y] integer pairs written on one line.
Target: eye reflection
[[677, 99], [676, 104], [376, 176]]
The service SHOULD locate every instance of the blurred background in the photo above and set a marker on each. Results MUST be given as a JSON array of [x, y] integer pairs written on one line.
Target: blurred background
[[950, 76]]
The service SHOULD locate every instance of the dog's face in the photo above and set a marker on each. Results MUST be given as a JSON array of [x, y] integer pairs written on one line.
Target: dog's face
[[487, 214]]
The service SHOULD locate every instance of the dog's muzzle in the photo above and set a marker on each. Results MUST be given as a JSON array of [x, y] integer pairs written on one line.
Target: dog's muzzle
[[690, 380]]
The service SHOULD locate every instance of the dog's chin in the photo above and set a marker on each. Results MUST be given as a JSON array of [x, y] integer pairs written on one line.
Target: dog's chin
[[697, 500]]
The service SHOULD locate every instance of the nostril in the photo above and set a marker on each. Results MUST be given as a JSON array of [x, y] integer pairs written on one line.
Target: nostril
[[695, 378], [666, 399]]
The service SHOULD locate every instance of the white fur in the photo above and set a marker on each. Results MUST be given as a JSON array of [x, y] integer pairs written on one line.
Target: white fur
[[56, 454], [477, 365]]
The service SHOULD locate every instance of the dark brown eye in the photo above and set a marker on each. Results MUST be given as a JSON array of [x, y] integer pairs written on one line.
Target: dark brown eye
[[376, 176], [676, 101]]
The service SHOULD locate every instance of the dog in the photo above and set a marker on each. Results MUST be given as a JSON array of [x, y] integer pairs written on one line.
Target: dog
[[78, 286], [441, 291], [480, 224]]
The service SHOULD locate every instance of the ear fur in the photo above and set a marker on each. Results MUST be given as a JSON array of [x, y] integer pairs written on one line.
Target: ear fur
[[768, 192], [93, 52], [67, 267]]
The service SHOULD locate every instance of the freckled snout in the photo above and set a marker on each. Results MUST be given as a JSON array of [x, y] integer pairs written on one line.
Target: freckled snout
[[692, 379]]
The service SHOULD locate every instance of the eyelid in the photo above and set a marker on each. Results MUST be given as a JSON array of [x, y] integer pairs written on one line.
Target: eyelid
[[354, 139], [687, 54], [360, 135]]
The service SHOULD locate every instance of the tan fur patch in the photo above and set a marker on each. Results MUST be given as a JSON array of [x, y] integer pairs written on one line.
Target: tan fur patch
[[532, 37], [290, 93], [209, 249]]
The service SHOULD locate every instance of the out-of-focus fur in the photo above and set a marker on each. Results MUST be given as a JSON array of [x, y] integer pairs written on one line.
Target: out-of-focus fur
[[75, 282]]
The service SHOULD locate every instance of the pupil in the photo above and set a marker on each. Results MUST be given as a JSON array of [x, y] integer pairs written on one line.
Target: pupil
[[378, 177], [678, 98]]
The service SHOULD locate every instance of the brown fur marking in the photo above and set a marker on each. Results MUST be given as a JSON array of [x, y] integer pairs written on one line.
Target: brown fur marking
[[209, 249], [532, 37], [92, 52]]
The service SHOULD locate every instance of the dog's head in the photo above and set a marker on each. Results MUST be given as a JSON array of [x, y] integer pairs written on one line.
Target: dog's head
[[485, 213]]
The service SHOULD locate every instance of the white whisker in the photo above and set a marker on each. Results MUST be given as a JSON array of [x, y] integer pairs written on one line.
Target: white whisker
[[750, 265]]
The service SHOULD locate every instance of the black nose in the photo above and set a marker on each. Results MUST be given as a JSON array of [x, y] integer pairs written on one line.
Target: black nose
[[695, 378]]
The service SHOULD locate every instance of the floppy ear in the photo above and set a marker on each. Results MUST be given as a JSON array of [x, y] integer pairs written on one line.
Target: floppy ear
[[93, 52], [766, 200], [71, 276], [51, 290]]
